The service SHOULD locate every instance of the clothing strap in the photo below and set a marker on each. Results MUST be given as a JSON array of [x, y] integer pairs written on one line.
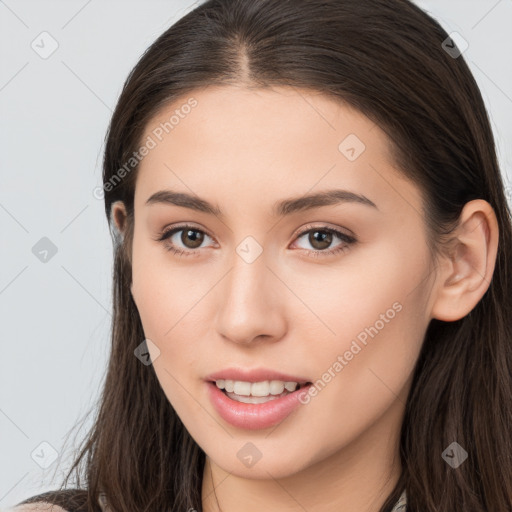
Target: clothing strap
[[401, 504]]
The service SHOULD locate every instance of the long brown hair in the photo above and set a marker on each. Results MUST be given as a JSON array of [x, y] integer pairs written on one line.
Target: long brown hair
[[387, 59]]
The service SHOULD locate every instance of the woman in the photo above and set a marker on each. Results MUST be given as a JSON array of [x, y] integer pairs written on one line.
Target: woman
[[311, 290]]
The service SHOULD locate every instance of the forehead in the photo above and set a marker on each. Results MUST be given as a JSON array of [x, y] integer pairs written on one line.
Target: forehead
[[243, 118], [241, 144]]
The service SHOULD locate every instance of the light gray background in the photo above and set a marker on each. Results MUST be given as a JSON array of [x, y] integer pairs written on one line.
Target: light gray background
[[54, 114]]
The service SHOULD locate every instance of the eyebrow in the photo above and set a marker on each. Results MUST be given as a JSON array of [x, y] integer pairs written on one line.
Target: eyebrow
[[280, 208]]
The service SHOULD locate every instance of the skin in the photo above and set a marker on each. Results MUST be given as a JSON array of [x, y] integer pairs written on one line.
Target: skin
[[244, 149]]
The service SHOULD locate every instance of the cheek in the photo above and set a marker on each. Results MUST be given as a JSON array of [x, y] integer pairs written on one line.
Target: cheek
[[367, 287], [365, 370], [373, 320], [160, 290], [168, 299], [168, 318]]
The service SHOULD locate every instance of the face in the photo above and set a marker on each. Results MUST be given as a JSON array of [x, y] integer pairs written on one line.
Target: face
[[332, 291]]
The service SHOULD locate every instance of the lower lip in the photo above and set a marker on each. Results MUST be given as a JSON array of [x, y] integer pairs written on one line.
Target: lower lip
[[254, 416]]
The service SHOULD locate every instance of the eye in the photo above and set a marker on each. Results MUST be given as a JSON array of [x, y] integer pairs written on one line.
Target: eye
[[321, 237], [191, 237]]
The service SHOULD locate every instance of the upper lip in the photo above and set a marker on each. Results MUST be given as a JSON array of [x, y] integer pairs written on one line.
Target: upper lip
[[255, 375]]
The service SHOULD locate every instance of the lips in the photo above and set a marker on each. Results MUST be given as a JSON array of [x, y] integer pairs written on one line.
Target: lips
[[250, 416], [255, 375], [255, 415]]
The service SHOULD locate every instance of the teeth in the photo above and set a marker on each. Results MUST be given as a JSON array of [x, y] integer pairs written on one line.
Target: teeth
[[242, 388], [253, 399], [263, 388]]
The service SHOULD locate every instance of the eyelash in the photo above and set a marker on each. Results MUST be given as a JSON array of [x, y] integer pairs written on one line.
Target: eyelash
[[347, 239]]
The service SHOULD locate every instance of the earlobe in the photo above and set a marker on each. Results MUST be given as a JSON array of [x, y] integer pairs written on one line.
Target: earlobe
[[469, 265]]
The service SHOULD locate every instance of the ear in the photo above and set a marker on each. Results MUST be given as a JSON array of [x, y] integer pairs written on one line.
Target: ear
[[466, 271], [118, 217]]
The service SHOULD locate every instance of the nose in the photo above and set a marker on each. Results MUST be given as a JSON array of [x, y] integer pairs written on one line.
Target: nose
[[251, 306]]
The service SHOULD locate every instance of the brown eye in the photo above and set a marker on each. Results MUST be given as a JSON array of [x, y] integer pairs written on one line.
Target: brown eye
[[320, 239], [183, 240], [192, 235]]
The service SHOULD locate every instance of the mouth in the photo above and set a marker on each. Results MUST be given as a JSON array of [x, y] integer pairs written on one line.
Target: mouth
[[255, 405], [257, 392]]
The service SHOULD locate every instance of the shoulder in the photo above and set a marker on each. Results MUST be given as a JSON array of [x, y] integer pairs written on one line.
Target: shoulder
[[63, 500], [39, 506]]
